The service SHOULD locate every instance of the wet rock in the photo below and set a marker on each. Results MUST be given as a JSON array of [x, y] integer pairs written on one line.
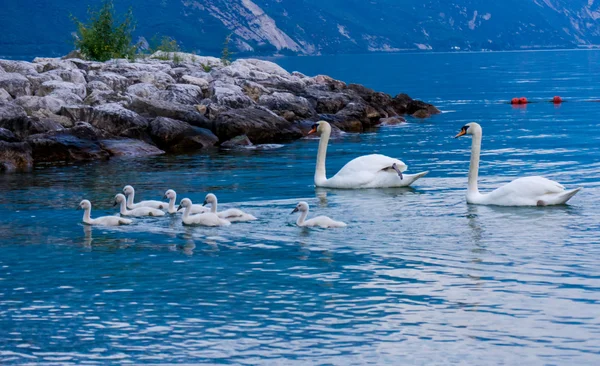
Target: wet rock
[[400, 103], [327, 101], [32, 104], [283, 103], [129, 147], [50, 87], [392, 121], [238, 141], [15, 156], [259, 125], [178, 136], [111, 118], [157, 108], [11, 113], [79, 143], [7, 135], [30, 126], [420, 109], [15, 84]]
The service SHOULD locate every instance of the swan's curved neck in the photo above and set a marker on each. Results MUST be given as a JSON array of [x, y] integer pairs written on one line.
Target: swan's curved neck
[[130, 199], [186, 211], [320, 174], [213, 206], [172, 204], [474, 165], [123, 210], [302, 217], [87, 215]]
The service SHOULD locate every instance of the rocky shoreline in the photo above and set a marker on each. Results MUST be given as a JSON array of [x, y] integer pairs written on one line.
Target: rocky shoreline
[[66, 110]]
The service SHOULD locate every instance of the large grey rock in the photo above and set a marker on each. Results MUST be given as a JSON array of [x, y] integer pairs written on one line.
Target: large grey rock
[[113, 80], [79, 143], [30, 126], [75, 76], [15, 84], [261, 126], [158, 78], [97, 85], [230, 95], [143, 90], [129, 147], [178, 136], [50, 87], [66, 96], [98, 97], [7, 135], [4, 96], [37, 80], [326, 101], [15, 156], [158, 108], [202, 83], [182, 94], [11, 113], [420, 109], [288, 106], [20, 67], [111, 118], [32, 104], [48, 64]]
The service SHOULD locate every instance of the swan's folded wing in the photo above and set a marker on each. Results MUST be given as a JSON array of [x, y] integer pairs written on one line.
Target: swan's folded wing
[[362, 169], [531, 187]]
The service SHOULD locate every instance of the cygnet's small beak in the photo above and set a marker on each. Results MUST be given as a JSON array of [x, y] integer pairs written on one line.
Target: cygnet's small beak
[[179, 208], [205, 203], [116, 203], [295, 210], [165, 197]]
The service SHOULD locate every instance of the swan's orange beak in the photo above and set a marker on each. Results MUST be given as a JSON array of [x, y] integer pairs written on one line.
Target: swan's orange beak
[[313, 130], [461, 133]]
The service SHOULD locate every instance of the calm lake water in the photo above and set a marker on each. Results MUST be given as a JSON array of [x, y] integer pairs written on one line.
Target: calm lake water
[[418, 276]]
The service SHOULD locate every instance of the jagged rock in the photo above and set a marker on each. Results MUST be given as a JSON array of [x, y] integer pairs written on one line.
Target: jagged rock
[[182, 94], [15, 156], [49, 87], [30, 126], [75, 75], [230, 95], [420, 109], [75, 54], [253, 90], [11, 113], [66, 96], [237, 141], [15, 84], [97, 85], [285, 103], [37, 80], [202, 83], [48, 64], [143, 90], [158, 108], [7, 135], [4, 96], [400, 103], [44, 114], [178, 136], [343, 122], [20, 67], [391, 121], [112, 118], [129, 147], [259, 125], [327, 101], [32, 104], [325, 82], [158, 78], [98, 97], [115, 81]]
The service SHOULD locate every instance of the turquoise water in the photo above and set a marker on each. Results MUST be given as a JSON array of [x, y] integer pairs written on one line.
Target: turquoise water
[[418, 277]]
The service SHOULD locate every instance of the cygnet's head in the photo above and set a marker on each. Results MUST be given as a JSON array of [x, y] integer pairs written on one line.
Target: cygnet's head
[[319, 128], [210, 198], [128, 190], [301, 206], [469, 129], [186, 202], [85, 204], [170, 194], [119, 198]]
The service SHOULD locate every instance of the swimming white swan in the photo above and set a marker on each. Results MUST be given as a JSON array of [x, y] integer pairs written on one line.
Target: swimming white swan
[[231, 215], [321, 221], [104, 220], [171, 195], [140, 211], [528, 191], [204, 219], [367, 171], [130, 193]]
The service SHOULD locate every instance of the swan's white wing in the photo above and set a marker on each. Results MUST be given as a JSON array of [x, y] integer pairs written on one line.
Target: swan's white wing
[[525, 191], [154, 204], [362, 170], [324, 222]]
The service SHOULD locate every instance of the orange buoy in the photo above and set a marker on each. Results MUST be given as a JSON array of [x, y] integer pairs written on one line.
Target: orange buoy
[[514, 101], [557, 100], [523, 100]]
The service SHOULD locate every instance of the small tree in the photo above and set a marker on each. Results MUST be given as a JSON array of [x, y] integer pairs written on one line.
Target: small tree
[[225, 54], [102, 38]]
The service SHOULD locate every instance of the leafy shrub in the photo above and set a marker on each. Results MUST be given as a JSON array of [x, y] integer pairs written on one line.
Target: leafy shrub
[[225, 53], [206, 67], [101, 38]]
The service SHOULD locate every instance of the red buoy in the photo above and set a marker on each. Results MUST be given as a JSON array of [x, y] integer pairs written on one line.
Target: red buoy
[[514, 101], [557, 100], [523, 100]]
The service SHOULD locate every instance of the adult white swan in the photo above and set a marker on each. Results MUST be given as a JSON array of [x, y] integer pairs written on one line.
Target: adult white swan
[[528, 191], [140, 211], [367, 171], [203, 219], [171, 195], [102, 221], [231, 215], [320, 221], [130, 193]]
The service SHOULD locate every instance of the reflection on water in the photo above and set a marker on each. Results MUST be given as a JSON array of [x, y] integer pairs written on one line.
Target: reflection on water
[[418, 276]]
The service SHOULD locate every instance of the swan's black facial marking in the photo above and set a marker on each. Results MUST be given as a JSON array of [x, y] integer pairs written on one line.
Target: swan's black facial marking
[[463, 131]]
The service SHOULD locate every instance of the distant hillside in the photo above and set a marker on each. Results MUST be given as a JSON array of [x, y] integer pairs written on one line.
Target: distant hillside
[[31, 28]]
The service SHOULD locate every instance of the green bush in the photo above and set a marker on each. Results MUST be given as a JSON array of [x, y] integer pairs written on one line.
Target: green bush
[[225, 53], [101, 38], [164, 43]]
